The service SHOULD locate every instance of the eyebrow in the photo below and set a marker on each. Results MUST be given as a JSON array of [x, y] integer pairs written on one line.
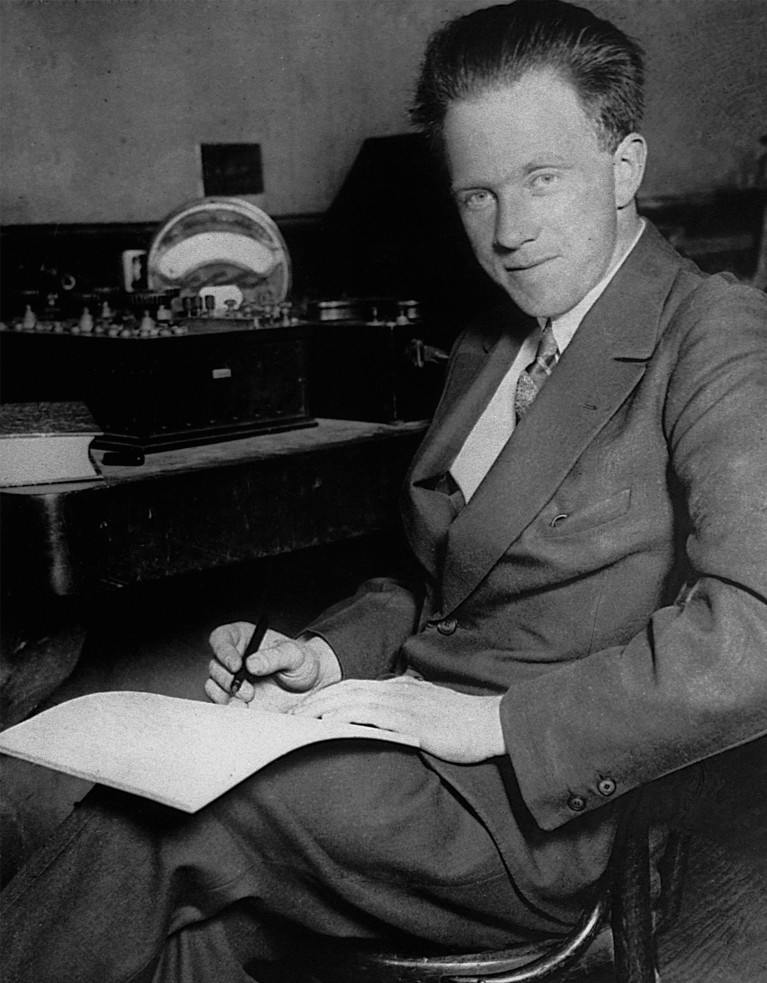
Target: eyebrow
[[550, 161]]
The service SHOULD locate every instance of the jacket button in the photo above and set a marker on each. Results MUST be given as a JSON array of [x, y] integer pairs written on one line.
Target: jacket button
[[606, 786], [576, 803], [447, 626]]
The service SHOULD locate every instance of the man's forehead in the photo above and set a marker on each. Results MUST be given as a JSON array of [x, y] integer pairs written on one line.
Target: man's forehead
[[537, 113]]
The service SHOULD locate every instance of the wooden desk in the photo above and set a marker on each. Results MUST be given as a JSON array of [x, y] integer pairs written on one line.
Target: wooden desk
[[199, 508]]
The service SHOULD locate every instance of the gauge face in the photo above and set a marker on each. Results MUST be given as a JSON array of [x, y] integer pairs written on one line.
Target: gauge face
[[221, 242]]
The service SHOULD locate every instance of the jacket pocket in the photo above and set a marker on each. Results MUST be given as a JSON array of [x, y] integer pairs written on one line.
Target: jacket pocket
[[562, 521]]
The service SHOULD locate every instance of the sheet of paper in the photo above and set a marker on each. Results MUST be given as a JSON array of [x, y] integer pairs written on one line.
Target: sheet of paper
[[183, 753]]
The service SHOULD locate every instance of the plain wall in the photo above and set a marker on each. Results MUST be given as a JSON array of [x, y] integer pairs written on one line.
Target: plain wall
[[105, 102]]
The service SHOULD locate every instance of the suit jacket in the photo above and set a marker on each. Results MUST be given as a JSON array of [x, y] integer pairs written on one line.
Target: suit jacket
[[609, 576]]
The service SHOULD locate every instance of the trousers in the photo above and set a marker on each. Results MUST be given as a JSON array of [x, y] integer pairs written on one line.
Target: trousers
[[341, 838]]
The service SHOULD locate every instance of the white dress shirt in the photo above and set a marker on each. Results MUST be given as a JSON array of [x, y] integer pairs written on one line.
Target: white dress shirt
[[493, 429]]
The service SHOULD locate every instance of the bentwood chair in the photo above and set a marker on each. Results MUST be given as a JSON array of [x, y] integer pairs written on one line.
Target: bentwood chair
[[614, 939]]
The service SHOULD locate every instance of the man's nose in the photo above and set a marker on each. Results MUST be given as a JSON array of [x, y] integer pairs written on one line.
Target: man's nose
[[514, 223]]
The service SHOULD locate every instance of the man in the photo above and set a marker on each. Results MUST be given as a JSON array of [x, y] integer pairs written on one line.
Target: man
[[593, 548]]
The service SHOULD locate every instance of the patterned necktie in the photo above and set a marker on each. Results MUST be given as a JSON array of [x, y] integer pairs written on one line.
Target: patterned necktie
[[533, 377]]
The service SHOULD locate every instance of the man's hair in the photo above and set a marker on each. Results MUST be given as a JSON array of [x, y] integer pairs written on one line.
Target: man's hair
[[492, 48]]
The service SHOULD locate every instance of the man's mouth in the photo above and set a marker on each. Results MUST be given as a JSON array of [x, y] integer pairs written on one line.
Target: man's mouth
[[522, 267]]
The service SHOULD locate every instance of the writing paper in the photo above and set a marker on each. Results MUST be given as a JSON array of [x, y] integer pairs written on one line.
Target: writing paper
[[179, 752]]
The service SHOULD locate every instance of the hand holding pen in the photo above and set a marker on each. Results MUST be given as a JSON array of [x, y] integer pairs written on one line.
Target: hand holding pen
[[283, 668], [251, 648]]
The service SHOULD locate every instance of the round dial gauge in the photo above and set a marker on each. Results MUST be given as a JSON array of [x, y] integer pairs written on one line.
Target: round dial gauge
[[221, 242]]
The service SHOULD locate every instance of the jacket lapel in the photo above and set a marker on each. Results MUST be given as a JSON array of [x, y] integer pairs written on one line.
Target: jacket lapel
[[474, 377], [603, 363]]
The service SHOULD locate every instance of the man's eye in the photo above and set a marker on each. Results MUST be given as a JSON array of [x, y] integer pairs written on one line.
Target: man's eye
[[544, 180], [475, 201]]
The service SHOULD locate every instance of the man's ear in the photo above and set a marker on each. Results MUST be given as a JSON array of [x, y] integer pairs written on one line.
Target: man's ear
[[629, 162]]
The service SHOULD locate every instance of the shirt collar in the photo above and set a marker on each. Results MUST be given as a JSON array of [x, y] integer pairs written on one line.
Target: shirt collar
[[565, 326]]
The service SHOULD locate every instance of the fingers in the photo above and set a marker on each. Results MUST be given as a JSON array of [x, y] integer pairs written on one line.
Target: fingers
[[352, 696], [366, 708], [216, 693], [403, 704], [228, 643], [246, 692], [218, 686]]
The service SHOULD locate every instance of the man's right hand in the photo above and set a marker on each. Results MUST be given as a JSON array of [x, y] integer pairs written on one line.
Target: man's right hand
[[287, 669]]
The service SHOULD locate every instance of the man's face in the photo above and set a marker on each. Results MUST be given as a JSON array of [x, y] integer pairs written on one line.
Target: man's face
[[535, 191]]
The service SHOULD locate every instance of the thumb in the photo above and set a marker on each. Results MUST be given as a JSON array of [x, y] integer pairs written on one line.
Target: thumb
[[285, 656]]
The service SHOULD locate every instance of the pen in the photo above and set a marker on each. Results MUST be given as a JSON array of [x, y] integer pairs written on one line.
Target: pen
[[253, 645]]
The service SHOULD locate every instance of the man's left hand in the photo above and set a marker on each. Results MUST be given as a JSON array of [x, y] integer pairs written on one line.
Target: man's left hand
[[453, 726]]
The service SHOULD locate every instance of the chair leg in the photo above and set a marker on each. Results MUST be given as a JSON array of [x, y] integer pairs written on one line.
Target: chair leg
[[672, 872], [631, 913]]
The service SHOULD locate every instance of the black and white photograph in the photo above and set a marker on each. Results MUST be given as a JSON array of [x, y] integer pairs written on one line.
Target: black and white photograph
[[383, 491]]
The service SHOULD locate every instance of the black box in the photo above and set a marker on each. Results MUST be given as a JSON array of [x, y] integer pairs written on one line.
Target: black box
[[166, 391], [375, 371]]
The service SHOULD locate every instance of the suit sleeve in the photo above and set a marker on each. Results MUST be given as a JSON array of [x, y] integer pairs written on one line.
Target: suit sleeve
[[694, 682], [367, 630]]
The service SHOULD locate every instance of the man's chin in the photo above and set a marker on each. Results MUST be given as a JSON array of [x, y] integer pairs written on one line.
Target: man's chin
[[530, 298], [534, 306], [539, 303]]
